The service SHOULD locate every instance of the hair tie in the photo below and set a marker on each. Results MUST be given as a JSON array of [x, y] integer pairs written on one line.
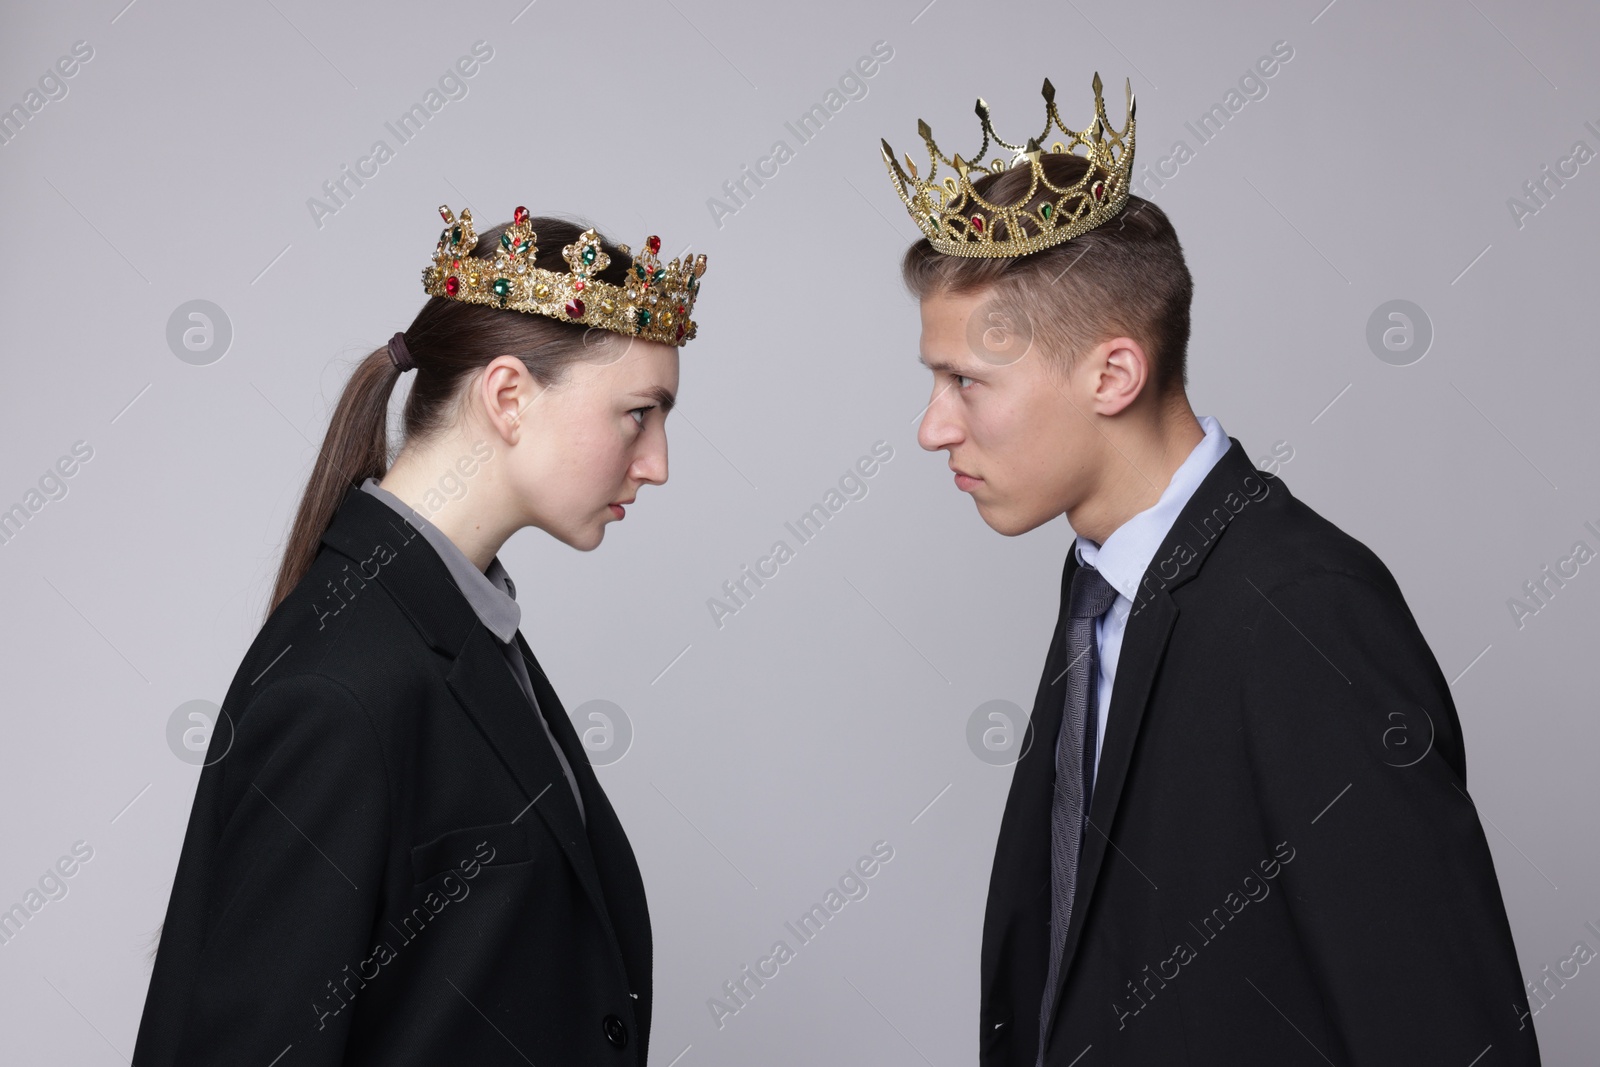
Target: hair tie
[[399, 354]]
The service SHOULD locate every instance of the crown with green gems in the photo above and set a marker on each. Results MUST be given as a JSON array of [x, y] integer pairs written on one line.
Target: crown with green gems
[[960, 222], [655, 303]]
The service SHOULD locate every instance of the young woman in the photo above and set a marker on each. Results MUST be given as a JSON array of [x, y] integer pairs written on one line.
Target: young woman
[[398, 852]]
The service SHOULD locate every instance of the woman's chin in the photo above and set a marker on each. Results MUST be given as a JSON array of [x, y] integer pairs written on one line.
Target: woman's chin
[[583, 536], [589, 539]]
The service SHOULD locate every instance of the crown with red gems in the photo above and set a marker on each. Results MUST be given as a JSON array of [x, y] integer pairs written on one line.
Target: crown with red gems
[[960, 222], [655, 303]]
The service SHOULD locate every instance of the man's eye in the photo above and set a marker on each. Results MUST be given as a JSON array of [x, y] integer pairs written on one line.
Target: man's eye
[[638, 415], [960, 378]]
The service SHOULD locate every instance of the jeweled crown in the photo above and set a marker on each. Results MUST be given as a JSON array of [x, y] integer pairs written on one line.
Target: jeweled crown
[[960, 222], [655, 303]]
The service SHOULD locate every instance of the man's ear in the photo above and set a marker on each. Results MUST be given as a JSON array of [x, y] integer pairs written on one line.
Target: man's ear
[[1120, 371]]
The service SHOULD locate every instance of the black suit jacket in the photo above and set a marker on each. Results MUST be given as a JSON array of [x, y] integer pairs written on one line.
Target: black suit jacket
[[1283, 865], [384, 864]]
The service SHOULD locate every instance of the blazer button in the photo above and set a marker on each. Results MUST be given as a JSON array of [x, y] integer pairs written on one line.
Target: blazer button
[[616, 1030]]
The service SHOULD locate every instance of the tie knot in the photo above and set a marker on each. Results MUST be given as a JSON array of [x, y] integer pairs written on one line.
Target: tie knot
[[1091, 594]]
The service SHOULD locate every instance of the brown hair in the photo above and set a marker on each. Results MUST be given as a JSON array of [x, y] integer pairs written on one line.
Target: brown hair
[[1125, 276], [450, 341]]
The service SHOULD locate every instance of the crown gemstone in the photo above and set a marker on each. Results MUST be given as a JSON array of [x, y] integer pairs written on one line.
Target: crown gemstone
[[452, 285], [653, 243], [1046, 210], [520, 215], [578, 285], [977, 223], [680, 332], [1099, 190], [575, 308], [588, 256], [502, 286], [455, 235], [644, 317]]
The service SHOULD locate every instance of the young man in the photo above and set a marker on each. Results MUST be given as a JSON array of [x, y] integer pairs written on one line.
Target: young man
[[1240, 833]]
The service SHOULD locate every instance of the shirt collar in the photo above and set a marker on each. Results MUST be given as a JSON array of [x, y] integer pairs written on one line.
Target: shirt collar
[[1127, 552], [490, 592]]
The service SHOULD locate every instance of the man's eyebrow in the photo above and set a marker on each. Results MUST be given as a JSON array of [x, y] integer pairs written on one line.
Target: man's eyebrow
[[660, 395], [941, 365]]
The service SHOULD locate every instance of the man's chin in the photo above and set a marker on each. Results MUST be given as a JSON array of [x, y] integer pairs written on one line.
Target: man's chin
[[1011, 523]]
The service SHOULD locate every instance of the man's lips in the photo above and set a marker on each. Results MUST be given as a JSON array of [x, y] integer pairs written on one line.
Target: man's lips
[[964, 481]]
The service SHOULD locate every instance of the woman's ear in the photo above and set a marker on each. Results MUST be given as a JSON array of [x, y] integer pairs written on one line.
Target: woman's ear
[[504, 390]]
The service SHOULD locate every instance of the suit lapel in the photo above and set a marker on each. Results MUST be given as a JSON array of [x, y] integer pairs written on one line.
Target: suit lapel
[[1144, 643], [483, 683], [386, 547], [618, 889]]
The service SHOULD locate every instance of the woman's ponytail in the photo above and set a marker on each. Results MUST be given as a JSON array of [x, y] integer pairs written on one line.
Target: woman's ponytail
[[356, 448]]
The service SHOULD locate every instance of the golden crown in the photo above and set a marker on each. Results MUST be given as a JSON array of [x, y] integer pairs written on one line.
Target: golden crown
[[654, 304], [960, 222]]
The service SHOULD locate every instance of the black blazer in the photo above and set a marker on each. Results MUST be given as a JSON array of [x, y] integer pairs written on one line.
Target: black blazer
[[387, 865], [1283, 865]]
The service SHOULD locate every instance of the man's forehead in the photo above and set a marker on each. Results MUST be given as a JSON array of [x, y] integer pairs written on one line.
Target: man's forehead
[[946, 341]]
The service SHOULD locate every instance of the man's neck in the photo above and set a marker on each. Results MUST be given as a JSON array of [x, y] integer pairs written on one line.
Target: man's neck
[[1141, 466]]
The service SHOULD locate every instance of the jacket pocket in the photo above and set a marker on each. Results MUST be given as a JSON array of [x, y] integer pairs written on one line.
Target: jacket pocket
[[490, 845]]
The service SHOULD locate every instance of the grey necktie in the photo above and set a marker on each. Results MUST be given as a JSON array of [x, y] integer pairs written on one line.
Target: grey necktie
[[1087, 600]]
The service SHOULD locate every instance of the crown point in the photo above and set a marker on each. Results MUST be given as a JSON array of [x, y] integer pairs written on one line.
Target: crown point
[[653, 243], [923, 130], [699, 264], [625, 250], [911, 165], [1097, 85], [445, 213], [520, 215], [982, 109], [1049, 92]]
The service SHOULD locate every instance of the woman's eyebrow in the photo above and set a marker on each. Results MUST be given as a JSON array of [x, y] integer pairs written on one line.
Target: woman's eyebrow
[[660, 395]]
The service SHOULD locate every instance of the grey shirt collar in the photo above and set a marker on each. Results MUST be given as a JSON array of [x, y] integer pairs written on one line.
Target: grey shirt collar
[[490, 592]]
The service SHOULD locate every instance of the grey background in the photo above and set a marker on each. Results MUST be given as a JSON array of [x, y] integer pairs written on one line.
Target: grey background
[[831, 712]]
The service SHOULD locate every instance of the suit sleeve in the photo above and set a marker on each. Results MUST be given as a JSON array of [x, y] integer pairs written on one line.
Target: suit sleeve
[[1354, 745], [294, 881]]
